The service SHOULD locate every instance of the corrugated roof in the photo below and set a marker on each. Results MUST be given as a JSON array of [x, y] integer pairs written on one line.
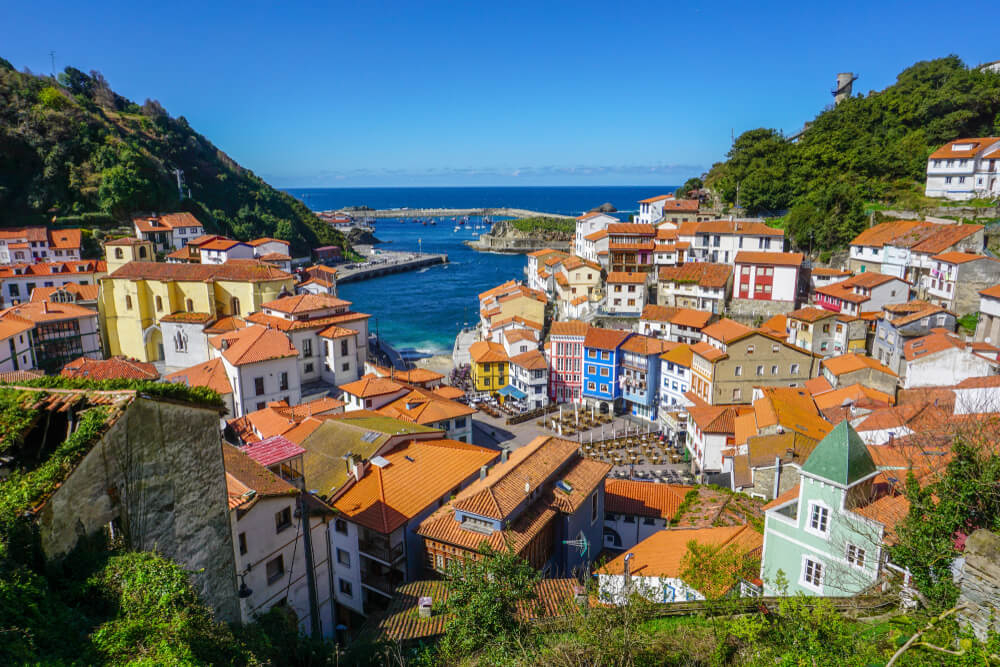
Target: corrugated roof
[[643, 498]]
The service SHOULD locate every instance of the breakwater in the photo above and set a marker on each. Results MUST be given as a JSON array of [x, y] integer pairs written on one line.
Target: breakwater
[[389, 262], [503, 212]]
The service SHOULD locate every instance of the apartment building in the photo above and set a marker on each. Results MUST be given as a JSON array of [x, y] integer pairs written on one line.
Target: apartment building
[[965, 169], [564, 351]]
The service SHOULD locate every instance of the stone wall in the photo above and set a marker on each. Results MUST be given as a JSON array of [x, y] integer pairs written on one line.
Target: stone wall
[[949, 214], [981, 584], [753, 313], [158, 474]]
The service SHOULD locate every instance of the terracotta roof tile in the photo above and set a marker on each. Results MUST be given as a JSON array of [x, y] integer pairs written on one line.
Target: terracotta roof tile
[[426, 407], [305, 303], [848, 363], [772, 258], [210, 374], [647, 345], [243, 475], [236, 270], [604, 339], [532, 360], [977, 144], [810, 314], [725, 330], [485, 352], [705, 274], [625, 277], [569, 328], [110, 369], [371, 385], [643, 498], [253, 344]]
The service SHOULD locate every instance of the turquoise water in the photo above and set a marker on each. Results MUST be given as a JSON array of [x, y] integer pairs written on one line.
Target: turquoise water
[[425, 309]]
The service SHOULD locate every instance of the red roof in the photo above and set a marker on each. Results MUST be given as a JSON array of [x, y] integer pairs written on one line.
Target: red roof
[[770, 258], [272, 450]]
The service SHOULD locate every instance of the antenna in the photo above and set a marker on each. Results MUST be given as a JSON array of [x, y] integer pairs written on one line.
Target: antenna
[[52, 57]]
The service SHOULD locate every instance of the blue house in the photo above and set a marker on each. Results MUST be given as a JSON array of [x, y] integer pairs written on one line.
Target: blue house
[[639, 375], [601, 365]]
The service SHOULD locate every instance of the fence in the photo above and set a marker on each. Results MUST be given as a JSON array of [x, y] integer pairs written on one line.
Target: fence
[[528, 416]]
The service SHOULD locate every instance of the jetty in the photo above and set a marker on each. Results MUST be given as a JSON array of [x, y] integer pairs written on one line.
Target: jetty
[[446, 213], [386, 262]]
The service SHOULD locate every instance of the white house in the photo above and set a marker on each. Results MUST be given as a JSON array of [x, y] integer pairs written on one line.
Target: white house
[[696, 285], [942, 358], [988, 328], [169, 231], [269, 546], [626, 293], [185, 341], [977, 395], [653, 567], [965, 169], [371, 392], [15, 344], [767, 276], [675, 379], [529, 374], [590, 223], [27, 245], [634, 511], [18, 281], [594, 247], [721, 240], [332, 340], [864, 292], [651, 210], [261, 364], [221, 251]]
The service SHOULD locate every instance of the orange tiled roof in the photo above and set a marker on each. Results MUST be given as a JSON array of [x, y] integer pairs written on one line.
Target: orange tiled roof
[[81, 266], [418, 474], [165, 221], [643, 498], [371, 385], [956, 257], [47, 311], [625, 277], [977, 144], [707, 351], [662, 553], [484, 352], [532, 360], [771, 258], [788, 496], [810, 314], [65, 239], [186, 317], [425, 407], [597, 236], [253, 344], [236, 270], [266, 239], [705, 274], [304, 303], [110, 369], [851, 393], [686, 205], [569, 328], [210, 374], [631, 229], [681, 354], [283, 324], [725, 330], [221, 244], [715, 418], [828, 271], [848, 363], [81, 292], [244, 475], [604, 339], [647, 345]]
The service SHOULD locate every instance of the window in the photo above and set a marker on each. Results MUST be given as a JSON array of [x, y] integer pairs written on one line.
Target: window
[[258, 386], [118, 253], [629, 518], [307, 347], [234, 305], [260, 405], [774, 370], [593, 507], [345, 587], [812, 573], [605, 372], [346, 366], [283, 382], [738, 371], [737, 394], [604, 388], [343, 558], [159, 304], [189, 305], [795, 369], [275, 569], [760, 371], [648, 521], [243, 543], [439, 562], [340, 526], [605, 356], [283, 519], [819, 519], [343, 348], [775, 348], [855, 556], [128, 302], [750, 349], [308, 368], [142, 252]]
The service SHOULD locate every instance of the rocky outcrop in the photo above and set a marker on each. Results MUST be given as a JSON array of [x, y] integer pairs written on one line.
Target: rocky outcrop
[[359, 236], [504, 238], [606, 207], [980, 597]]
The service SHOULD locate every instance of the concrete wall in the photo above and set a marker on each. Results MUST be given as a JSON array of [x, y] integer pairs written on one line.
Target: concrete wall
[[158, 473], [753, 312]]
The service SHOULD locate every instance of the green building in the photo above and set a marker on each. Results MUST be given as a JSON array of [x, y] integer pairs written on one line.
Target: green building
[[825, 536]]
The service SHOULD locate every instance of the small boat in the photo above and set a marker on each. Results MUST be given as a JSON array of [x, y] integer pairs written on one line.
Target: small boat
[[433, 222], [456, 229]]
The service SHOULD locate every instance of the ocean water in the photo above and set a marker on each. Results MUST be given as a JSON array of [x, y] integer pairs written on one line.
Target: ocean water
[[424, 309]]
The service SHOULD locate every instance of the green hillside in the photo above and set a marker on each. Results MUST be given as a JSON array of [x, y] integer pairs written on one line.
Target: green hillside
[[76, 151], [868, 149]]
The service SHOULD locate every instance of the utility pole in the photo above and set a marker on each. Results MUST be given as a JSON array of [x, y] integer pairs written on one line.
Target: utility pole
[[52, 57], [314, 620]]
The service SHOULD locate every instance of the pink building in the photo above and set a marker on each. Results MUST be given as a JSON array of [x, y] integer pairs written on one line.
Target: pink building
[[564, 352]]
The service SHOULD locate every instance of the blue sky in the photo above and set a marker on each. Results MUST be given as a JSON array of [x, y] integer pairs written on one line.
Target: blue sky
[[499, 93]]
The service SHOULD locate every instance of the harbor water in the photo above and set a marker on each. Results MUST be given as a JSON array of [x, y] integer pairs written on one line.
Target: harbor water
[[425, 309]]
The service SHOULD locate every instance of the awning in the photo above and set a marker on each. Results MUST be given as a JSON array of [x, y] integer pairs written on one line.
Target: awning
[[510, 391]]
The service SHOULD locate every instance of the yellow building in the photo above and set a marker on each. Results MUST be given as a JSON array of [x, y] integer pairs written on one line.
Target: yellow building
[[490, 366], [138, 295], [120, 252]]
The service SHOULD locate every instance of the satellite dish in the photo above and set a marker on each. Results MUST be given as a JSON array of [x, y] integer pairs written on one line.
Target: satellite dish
[[581, 543]]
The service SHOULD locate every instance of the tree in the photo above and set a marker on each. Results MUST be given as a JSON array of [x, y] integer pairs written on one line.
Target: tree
[[829, 217], [484, 594], [689, 185], [77, 82]]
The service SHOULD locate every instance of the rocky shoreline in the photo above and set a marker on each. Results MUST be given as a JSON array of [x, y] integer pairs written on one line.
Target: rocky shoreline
[[502, 237]]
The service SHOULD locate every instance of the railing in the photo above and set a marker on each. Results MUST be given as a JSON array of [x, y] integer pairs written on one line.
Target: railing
[[381, 550], [531, 414]]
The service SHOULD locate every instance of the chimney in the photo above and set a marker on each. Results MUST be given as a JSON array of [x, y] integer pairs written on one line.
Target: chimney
[[45, 307], [482, 471], [503, 455], [777, 476], [580, 595], [425, 606]]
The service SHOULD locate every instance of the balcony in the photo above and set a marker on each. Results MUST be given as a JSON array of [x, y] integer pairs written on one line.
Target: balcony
[[385, 584], [380, 550]]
